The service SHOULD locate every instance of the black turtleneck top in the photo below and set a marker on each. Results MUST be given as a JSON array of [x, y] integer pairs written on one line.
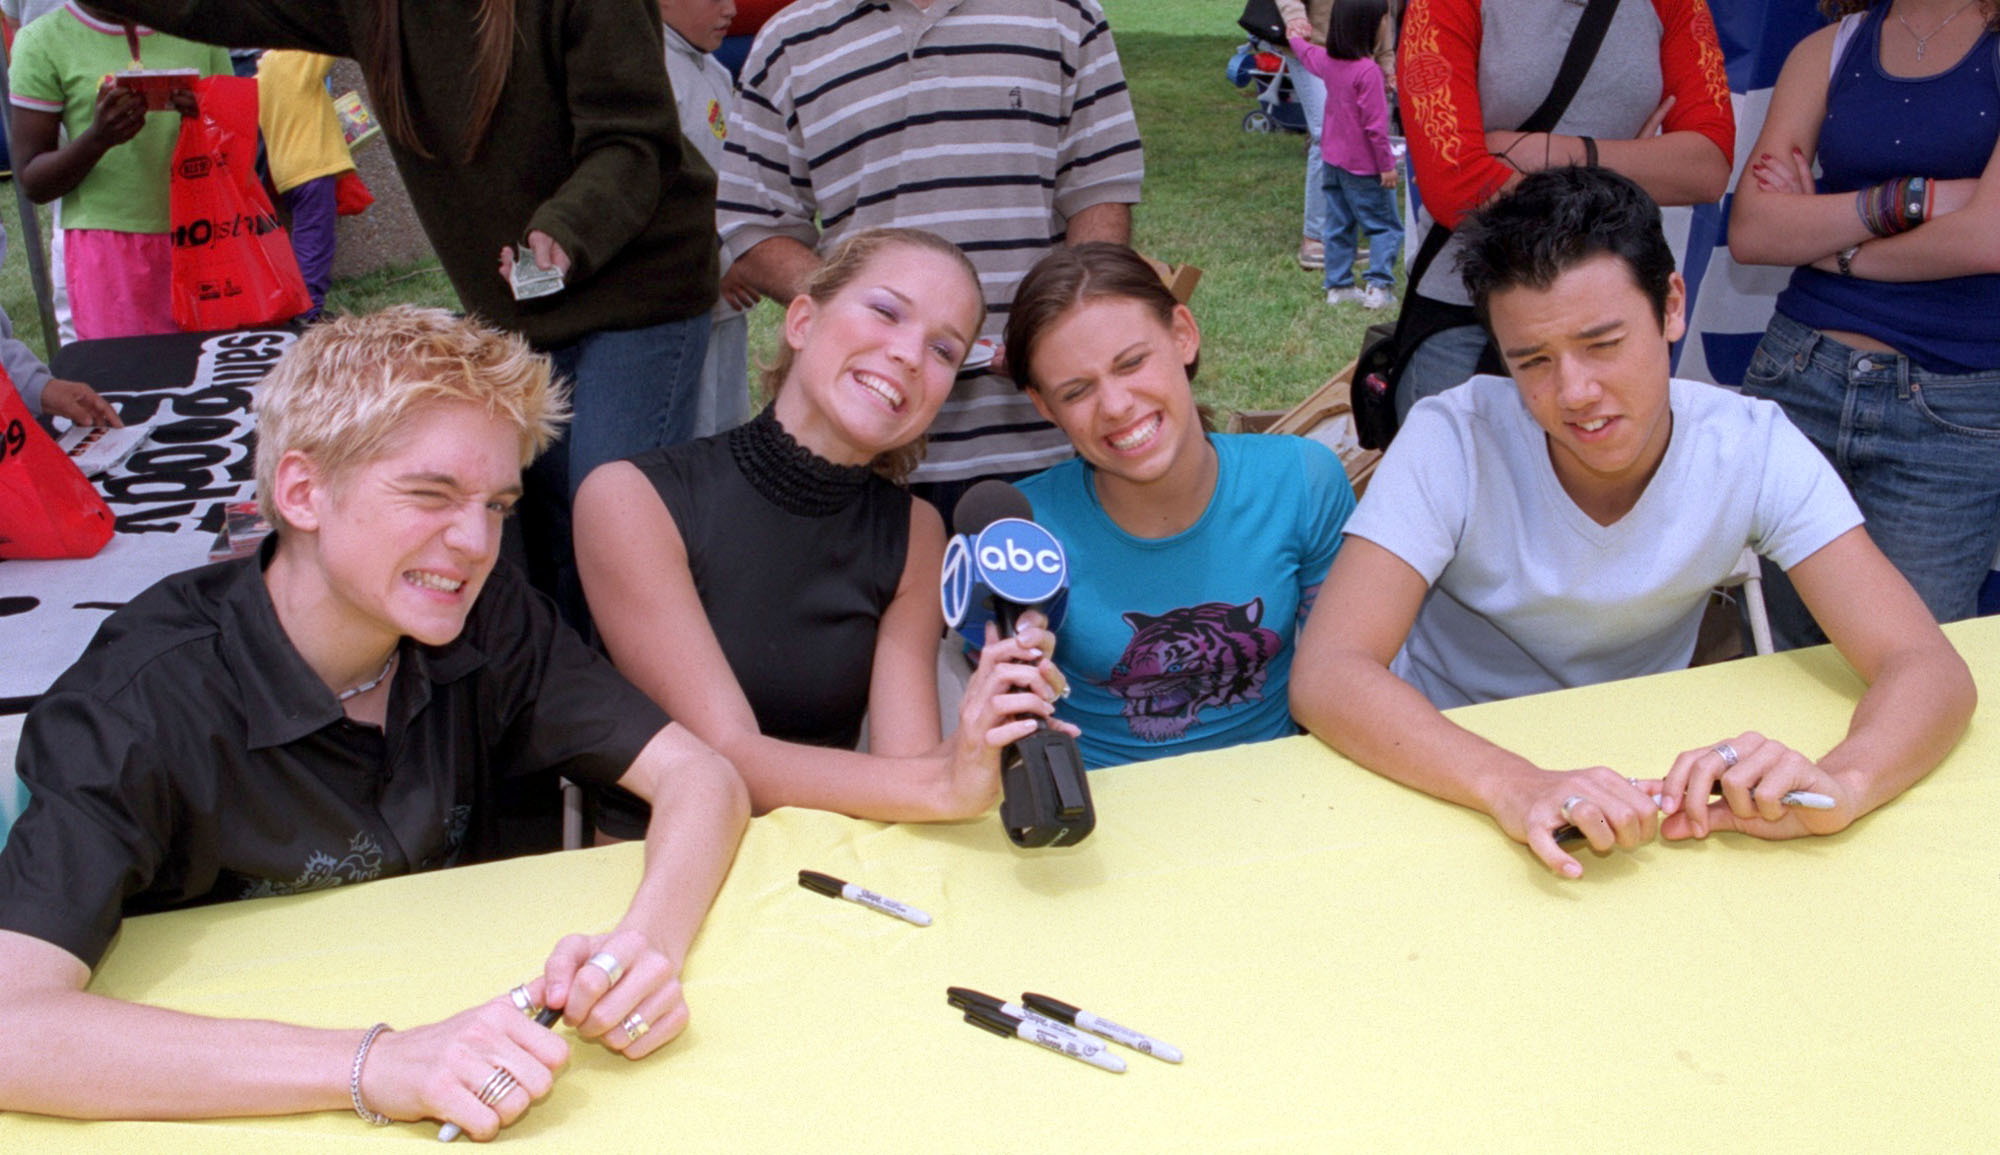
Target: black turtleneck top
[[795, 559]]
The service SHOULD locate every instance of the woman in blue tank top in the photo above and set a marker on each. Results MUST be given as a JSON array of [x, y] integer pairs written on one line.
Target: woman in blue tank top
[[1885, 348]]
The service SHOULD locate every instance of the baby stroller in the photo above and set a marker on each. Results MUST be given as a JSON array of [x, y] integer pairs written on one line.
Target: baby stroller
[[1258, 62], [1278, 108]]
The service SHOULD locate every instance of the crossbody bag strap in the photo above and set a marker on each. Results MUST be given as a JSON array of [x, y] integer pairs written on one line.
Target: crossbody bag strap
[[1422, 317], [1583, 46]]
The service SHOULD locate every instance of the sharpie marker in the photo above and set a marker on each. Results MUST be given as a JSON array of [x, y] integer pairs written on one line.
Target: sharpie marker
[[1083, 1020], [1034, 1031], [1803, 799], [546, 1017], [965, 998], [832, 887]]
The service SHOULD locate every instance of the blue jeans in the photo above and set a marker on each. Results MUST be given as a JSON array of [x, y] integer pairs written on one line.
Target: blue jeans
[[1920, 451], [630, 390], [1446, 360], [1311, 93], [1352, 199]]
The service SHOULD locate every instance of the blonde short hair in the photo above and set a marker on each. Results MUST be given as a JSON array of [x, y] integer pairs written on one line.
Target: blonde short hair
[[344, 391]]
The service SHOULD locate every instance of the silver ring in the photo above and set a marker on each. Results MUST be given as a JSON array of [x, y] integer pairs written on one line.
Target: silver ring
[[607, 962], [497, 1085], [522, 1002], [1572, 800], [634, 1027], [1726, 752]]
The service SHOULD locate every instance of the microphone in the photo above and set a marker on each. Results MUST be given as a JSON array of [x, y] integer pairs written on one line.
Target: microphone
[[999, 565]]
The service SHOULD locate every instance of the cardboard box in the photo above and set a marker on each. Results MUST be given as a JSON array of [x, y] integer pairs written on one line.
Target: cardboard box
[[1326, 417]]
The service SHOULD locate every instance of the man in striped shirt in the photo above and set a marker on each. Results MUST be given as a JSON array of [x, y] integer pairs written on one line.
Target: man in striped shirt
[[1002, 125]]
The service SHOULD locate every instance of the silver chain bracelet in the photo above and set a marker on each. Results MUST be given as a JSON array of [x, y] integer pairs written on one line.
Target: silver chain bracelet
[[354, 1077]]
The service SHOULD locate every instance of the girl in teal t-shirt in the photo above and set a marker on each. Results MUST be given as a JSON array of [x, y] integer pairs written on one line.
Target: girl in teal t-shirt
[[1193, 557]]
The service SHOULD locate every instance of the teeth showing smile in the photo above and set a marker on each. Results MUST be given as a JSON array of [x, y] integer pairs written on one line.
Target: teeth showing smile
[[882, 387], [430, 581], [1137, 435], [1593, 426]]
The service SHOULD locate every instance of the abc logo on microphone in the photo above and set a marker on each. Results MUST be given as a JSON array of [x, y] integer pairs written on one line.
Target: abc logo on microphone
[[1011, 560]]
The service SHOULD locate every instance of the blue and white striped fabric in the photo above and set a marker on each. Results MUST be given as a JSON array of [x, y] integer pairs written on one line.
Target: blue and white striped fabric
[[1730, 304]]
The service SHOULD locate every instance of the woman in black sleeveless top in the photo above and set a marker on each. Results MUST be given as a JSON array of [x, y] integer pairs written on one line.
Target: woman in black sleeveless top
[[771, 585]]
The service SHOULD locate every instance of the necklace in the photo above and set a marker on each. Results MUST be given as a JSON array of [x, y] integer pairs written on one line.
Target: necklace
[[367, 686], [1923, 40]]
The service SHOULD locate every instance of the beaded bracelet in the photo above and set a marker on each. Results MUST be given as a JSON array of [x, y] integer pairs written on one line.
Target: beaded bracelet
[[1895, 206], [354, 1077]]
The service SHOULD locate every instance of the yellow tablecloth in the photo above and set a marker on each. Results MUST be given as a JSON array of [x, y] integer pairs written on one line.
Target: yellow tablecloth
[[1347, 964]]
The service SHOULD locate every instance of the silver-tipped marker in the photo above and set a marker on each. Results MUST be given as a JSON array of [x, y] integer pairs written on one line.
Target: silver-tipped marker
[[832, 887], [1803, 799], [1042, 1035], [1083, 1020]]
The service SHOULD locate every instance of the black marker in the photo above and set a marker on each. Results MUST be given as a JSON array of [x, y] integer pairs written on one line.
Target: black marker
[[965, 999], [832, 887], [1083, 1020], [1803, 799], [1030, 1030]]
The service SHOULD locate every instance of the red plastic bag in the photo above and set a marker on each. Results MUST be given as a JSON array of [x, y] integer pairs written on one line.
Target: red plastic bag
[[233, 264], [350, 195], [48, 508]]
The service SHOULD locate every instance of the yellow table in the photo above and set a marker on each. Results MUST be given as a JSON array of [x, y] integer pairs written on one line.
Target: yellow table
[[1347, 964]]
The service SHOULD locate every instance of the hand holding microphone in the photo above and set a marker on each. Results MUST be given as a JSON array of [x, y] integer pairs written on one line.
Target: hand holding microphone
[[999, 565]]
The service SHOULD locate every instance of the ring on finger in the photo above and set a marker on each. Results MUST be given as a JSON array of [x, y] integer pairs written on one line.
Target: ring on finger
[[1569, 802], [1726, 752], [497, 1085], [607, 962], [522, 1001], [634, 1026]]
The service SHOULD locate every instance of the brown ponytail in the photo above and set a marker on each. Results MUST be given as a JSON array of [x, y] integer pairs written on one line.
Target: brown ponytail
[[381, 59]]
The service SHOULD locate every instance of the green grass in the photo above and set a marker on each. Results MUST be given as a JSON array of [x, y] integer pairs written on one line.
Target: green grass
[[1229, 202], [1223, 200], [17, 293], [423, 284], [1216, 197]]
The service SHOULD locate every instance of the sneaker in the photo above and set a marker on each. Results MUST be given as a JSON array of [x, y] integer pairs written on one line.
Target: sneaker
[[1344, 294], [1312, 254], [1375, 297]]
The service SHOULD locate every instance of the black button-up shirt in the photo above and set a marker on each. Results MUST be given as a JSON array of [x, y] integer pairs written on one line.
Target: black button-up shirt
[[192, 756]]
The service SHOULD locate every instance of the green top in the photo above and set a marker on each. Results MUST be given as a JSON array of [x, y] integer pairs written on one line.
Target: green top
[[58, 63]]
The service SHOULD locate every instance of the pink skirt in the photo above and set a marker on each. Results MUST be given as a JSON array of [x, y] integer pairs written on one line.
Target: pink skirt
[[120, 284]]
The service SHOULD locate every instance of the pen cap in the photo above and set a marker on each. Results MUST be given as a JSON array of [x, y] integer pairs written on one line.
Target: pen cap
[[818, 883], [998, 1022], [1053, 1008], [965, 999]]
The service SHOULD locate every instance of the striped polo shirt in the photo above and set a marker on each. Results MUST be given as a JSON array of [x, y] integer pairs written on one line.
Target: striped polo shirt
[[989, 122]]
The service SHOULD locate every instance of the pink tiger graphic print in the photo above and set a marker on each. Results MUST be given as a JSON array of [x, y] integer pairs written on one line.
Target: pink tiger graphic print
[[1179, 662]]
